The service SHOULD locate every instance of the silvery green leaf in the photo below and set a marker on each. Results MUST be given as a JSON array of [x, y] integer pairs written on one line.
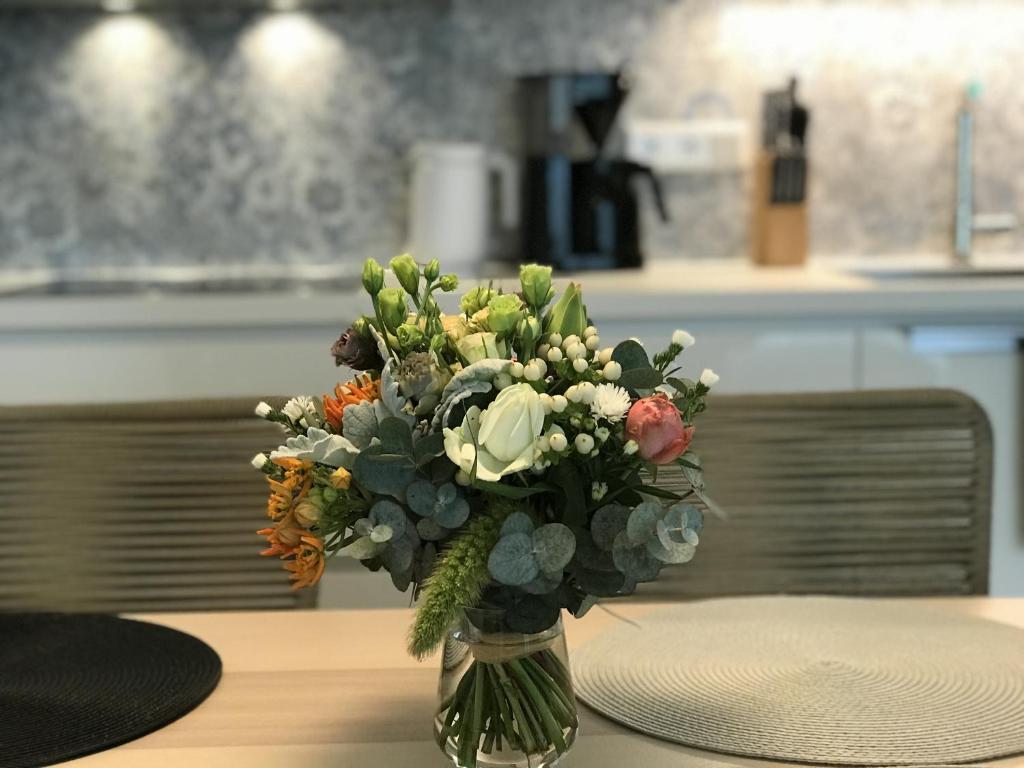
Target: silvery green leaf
[[382, 347], [319, 446], [511, 561], [359, 423], [693, 471], [691, 537], [362, 527], [429, 530], [643, 522], [684, 516], [543, 584], [517, 522], [392, 402], [553, 547], [420, 495], [471, 379], [451, 515], [672, 552], [397, 555], [361, 549], [607, 523], [635, 563], [386, 512], [381, 533]]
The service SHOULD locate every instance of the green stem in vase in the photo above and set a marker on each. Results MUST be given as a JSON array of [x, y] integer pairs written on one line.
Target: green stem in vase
[[553, 730]]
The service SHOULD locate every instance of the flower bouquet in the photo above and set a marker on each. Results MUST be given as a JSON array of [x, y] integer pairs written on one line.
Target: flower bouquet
[[501, 464]]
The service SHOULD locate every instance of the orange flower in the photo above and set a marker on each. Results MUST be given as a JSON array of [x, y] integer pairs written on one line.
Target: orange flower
[[303, 551], [307, 566], [295, 485], [361, 388]]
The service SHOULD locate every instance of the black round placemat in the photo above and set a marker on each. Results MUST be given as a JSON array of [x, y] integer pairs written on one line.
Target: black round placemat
[[74, 684]]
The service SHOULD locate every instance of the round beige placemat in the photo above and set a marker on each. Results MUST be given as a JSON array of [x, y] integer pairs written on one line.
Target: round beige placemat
[[813, 679]]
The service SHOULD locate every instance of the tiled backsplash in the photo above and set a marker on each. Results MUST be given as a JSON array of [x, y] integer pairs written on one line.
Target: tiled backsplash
[[227, 137]]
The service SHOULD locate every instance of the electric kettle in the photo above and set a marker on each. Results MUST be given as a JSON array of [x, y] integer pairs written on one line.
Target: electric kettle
[[456, 211]]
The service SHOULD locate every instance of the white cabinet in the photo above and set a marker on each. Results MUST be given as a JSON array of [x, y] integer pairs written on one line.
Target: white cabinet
[[772, 359]]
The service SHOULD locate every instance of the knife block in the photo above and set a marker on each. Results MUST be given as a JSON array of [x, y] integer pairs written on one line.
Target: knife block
[[778, 232]]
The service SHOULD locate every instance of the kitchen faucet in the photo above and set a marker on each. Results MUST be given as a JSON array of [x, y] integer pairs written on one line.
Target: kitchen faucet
[[967, 222]]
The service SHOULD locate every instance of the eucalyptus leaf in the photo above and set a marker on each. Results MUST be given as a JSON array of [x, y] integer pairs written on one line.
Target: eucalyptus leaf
[[567, 478], [588, 602], [428, 447], [553, 547], [362, 527], [600, 583], [451, 515], [429, 530], [680, 385], [361, 549], [531, 614], [383, 473], [608, 522], [672, 552], [639, 378], [684, 516], [395, 436], [511, 561], [517, 522], [397, 555], [543, 584], [643, 522], [420, 496], [386, 512], [381, 534], [630, 355], [402, 580], [635, 563]]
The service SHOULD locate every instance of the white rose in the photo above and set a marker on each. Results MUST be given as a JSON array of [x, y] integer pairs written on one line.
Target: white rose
[[708, 378], [500, 440]]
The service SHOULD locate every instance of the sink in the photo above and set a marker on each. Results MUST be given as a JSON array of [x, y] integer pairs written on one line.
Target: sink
[[934, 267]]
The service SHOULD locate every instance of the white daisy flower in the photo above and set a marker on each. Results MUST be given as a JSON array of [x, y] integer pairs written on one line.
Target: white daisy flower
[[611, 402]]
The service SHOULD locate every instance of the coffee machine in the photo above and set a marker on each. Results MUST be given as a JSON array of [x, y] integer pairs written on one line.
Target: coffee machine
[[580, 208]]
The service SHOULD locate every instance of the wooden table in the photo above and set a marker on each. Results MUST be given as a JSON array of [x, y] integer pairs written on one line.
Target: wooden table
[[326, 689]]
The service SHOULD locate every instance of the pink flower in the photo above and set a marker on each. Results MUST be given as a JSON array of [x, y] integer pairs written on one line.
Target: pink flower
[[655, 424]]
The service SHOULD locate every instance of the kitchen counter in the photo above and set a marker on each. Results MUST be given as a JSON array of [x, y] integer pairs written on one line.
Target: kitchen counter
[[694, 292]]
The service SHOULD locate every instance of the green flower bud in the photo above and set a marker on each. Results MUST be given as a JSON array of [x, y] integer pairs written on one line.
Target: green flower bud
[[393, 307], [407, 272], [529, 331], [569, 316], [361, 325], [536, 282], [449, 283], [409, 337], [432, 270], [480, 346], [373, 277], [476, 299], [505, 312]]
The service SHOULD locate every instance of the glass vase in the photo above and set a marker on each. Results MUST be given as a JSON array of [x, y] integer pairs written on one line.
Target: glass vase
[[505, 699]]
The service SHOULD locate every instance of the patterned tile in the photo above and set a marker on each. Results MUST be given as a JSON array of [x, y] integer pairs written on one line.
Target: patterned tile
[[248, 137]]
